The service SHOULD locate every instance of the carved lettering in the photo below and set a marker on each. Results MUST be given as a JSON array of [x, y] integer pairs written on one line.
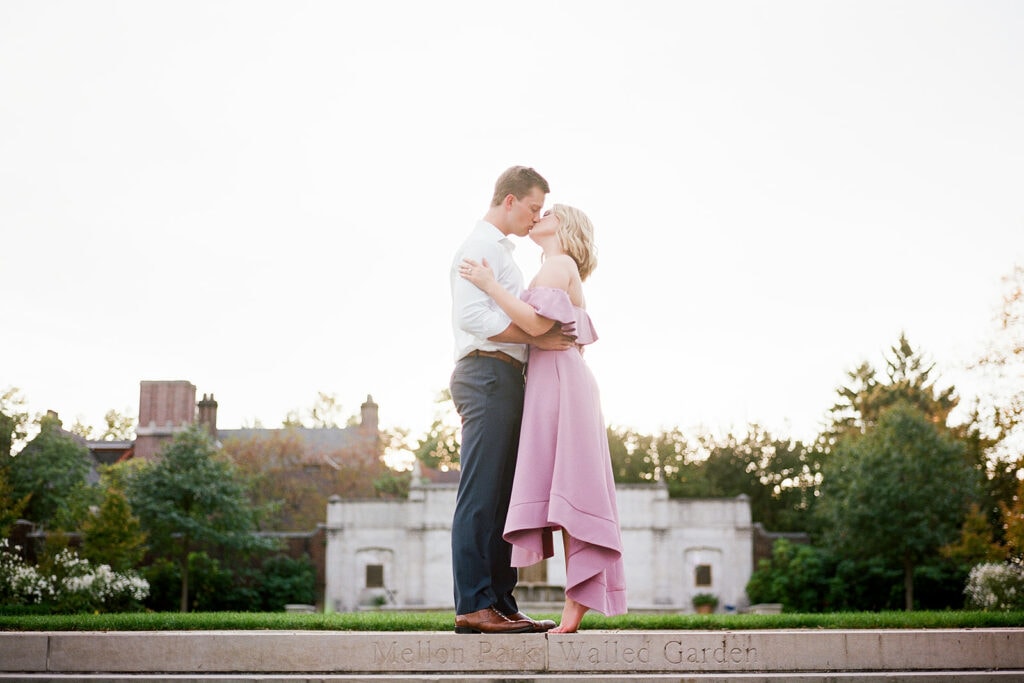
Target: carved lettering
[[423, 653], [609, 652], [588, 652], [570, 651], [676, 653], [520, 655]]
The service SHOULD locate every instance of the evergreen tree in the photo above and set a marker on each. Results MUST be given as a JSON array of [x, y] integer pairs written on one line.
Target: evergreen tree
[[908, 380], [113, 535], [976, 544]]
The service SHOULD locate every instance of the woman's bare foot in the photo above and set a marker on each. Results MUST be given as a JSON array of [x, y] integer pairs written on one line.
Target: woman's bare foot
[[572, 615]]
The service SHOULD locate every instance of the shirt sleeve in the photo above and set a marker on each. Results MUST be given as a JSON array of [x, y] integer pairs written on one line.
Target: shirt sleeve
[[475, 312]]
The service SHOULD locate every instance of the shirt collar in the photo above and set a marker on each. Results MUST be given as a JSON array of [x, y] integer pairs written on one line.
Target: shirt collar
[[489, 230]]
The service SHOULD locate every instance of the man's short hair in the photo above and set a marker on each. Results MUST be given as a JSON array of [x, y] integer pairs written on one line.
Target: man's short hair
[[517, 181]]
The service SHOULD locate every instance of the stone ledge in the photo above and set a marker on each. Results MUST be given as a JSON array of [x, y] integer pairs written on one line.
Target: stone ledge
[[826, 677], [629, 653]]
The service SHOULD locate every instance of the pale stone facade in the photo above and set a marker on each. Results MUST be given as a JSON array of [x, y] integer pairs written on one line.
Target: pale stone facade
[[399, 552]]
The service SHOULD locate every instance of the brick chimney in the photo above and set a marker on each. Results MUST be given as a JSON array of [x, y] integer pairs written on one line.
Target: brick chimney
[[165, 408], [208, 415], [368, 415]]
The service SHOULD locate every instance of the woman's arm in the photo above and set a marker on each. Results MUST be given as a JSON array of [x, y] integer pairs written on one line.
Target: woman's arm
[[521, 313]]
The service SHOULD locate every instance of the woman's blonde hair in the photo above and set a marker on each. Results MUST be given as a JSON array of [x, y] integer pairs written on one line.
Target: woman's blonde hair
[[576, 235]]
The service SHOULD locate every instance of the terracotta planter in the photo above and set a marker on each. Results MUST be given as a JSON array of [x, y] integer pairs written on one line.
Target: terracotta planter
[[705, 609]]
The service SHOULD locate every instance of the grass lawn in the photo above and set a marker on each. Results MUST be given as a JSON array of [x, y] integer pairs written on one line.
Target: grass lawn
[[444, 621]]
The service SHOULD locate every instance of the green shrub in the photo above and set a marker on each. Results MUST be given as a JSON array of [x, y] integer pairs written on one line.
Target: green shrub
[[797, 576], [287, 581], [214, 587], [164, 579]]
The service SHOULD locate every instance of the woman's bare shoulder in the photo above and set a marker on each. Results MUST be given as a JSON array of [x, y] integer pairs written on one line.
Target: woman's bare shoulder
[[556, 271]]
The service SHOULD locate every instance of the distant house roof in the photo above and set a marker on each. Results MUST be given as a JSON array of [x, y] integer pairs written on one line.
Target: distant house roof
[[431, 475], [109, 452], [322, 439], [101, 452]]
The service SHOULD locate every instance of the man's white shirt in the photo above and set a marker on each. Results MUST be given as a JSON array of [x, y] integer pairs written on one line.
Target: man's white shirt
[[475, 316]]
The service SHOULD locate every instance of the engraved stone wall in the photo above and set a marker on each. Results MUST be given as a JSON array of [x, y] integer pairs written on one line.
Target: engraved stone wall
[[953, 652]]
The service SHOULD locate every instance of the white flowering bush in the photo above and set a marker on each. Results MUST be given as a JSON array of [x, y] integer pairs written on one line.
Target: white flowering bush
[[20, 583], [996, 587], [73, 585]]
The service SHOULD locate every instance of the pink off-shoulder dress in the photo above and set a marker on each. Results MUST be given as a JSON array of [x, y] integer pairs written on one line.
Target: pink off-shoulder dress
[[563, 474]]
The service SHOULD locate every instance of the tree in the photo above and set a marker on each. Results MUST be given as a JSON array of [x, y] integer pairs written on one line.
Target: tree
[[113, 535], [672, 451], [976, 544], [325, 413], [120, 427], [899, 492], [81, 429], [998, 416], [780, 476], [48, 469], [732, 464], [633, 455], [908, 380], [1013, 525], [13, 420], [283, 489], [291, 482], [439, 447], [191, 496], [911, 380], [396, 456], [6, 435], [11, 507], [1003, 361]]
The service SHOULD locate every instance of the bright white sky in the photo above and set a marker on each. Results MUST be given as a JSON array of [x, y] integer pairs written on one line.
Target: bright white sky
[[263, 197]]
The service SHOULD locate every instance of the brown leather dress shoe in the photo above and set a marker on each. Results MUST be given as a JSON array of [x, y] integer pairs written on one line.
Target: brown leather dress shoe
[[490, 620], [539, 625]]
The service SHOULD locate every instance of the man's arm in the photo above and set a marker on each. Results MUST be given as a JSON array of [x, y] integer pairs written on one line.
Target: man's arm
[[555, 339], [476, 313]]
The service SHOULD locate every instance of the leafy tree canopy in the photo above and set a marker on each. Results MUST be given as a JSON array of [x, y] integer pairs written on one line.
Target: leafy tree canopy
[[13, 420], [48, 469], [192, 495], [192, 490], [325, 413], [900, 491], [439, 447]]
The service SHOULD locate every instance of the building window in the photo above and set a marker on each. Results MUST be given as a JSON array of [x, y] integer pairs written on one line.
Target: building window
[[374, 576], [702, 575]]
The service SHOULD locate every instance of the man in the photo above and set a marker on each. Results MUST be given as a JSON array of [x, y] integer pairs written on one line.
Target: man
[[487, 388]]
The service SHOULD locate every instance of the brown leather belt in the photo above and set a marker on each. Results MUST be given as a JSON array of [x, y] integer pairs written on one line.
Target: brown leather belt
[[500, 355]]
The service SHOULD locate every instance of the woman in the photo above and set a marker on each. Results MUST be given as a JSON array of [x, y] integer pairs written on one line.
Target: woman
[[563, 476]]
